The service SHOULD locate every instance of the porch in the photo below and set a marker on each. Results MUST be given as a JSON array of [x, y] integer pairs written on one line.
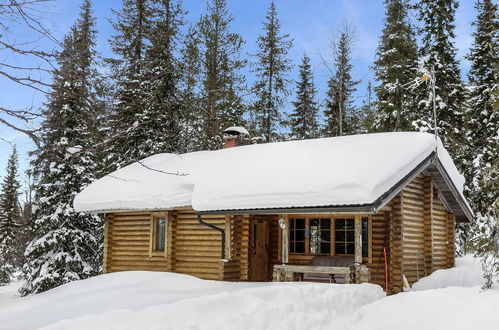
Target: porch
[[333, 248]]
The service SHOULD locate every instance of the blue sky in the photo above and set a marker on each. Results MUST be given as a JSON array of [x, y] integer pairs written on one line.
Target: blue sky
[[310, 23]]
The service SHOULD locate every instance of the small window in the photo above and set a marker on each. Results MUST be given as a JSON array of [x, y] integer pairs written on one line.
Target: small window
[[159, 232], [344, 231]]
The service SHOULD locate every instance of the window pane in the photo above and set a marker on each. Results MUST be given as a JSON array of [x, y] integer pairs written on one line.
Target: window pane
[[350, 224], [339, 223], [160, 234], [350, 248], [326, 248], [300, 223], [300, 235], [325, 236], [350, 236], [314, 222], [314, 239], [340, 248], [325, 223], [299, 247]]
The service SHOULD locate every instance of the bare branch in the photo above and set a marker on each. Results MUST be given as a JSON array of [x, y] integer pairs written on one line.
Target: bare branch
[[30, 133], [160, 171]]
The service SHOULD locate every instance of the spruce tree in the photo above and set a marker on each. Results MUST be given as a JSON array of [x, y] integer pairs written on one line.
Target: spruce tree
[[133, 26], [482, 143], [221, 80], [159, 127], [341, 114], [9, 220], [271, 68], [66, 245], [438, 54], [395, 67], [482, 138], [190, 85], [303, 121]]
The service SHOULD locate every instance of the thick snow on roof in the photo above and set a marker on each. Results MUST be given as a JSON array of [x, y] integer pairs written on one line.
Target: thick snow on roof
[[348, 170]]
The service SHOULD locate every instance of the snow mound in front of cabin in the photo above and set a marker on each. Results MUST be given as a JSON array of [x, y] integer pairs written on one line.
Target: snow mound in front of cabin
[[154, 300], [467, 273]]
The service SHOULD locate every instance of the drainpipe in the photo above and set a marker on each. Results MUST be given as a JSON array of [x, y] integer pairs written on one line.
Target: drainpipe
[[222, 233]]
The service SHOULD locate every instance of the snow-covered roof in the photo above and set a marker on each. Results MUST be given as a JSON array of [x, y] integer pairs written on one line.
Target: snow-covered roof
[[337, 171]]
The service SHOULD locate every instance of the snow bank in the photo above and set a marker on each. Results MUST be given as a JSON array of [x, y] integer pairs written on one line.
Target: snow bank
[[148, 300], [347, 170], [455, 308], [155, 300], [467, 273]]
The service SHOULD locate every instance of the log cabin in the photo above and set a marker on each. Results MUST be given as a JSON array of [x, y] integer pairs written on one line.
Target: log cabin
[[379, 208]]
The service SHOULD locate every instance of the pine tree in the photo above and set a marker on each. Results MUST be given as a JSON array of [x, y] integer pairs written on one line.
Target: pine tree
[[438, 54], [395, 67], [66, 245], [271, 68], [133, 26], [9, 220], [303, 122], [221, 80], [341, 114]]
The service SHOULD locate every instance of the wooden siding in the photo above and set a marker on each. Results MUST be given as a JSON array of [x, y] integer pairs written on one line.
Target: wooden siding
[[128, 243], [380, 224], [396, 246], [197, 247], [413, 230], [439, 234]]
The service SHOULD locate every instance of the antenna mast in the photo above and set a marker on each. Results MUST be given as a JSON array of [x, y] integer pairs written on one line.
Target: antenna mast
[[434, 105]]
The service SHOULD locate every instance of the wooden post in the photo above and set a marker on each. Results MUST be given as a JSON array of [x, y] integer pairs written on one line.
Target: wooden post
[[228, 237], [285, 240], [358, 239]]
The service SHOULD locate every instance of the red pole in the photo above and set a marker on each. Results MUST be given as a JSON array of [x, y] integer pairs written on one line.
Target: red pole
[[386, 271]]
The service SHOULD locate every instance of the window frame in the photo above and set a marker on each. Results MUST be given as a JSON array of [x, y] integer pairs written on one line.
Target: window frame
[[153, 237], [332, 241]]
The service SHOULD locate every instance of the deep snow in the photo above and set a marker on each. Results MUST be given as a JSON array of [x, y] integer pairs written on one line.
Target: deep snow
[[346, 170], [154, 300]]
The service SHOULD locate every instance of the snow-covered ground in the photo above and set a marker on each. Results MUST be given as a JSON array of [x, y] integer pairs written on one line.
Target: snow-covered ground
[[150, 300]]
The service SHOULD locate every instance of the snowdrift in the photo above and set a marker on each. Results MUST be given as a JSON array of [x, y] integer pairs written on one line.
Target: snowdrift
[[450, 299]]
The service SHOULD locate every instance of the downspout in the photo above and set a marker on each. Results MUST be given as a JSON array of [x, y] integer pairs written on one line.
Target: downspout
[[222, 233]]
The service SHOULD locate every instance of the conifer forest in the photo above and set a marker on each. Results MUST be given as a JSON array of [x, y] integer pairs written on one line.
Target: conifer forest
[[173, 84]]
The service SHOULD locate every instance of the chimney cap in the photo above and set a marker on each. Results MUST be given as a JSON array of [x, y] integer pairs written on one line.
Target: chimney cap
[[236, 131]]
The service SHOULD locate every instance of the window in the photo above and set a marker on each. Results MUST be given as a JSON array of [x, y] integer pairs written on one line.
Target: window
[[327, 236], [160, 234], [320, 236], [344, 232], [159, 228], [297, 235], [365, 237]]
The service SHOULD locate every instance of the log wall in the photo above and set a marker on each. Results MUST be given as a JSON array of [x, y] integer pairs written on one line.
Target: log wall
[[415, 228], [128, 239]]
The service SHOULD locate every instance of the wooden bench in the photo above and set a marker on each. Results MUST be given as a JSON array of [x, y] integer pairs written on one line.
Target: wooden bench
[[355, 274]]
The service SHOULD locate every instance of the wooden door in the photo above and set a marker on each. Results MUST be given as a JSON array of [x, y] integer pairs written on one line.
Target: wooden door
[[259, 250]]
